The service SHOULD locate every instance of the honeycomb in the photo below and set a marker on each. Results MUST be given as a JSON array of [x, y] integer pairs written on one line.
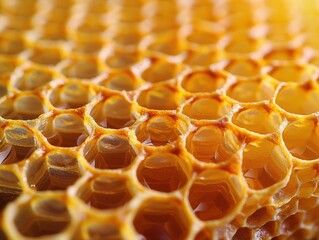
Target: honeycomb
[[159, 119]]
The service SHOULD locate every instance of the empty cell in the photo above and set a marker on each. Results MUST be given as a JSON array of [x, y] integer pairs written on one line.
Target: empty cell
[[121, 80], [119, 60], [159, 130], [289, 190], [168, 45], [101, 230], [307, 203], [287, 95], [113, 112], [215, 194], [264, 164], [110, 151], [243, 233], [45, 55], [259, 119], [81, 68], [42, 217], [71, 95], [293, 222], [7, 66], [252, 91], [203, 81], [31, 78], [241, 43], [159, 70], [261, 216], [164, 172], [131, 39], [159, 219], [55, 171], [64, 130], [11, 45], [207, 108], [17, 144], [162, 97], [202, 38], [87, 47], [202, 58], [301, 137], [282, 55], [212, 144], [243, 68], [10, 188], [291, 73], [52, 31], [106, 192]]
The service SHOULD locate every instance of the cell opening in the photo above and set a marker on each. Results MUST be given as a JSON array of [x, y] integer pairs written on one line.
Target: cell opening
[[159, 71], [81, 68], [164, 172], [243, 68], [119, 81], [10, 188], [32, 78], [291, 73]]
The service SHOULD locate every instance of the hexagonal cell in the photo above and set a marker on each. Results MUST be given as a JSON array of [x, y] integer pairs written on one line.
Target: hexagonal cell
[[169, 44], [243, 233], [301, 138], [17, 144], [64, 130], [160, 97], [31, 78], [260, 119], [198, 37], [292, 223], [21, 107], [241, 43], [10, 187], [243, 68], [162, 219], [121, 80], [126, 40], [203, 81], [292, 73], [160, 130], [89, 47], [42, 217], [46, 55], [11, 45], [287, 95], [55, 171], [212, 143], [106, 192], [113, 112], [159, 70], [208, 108], [164, 172], [71, 95], [7, 66], [92, 27], [261, 216], [119, 60], [83, 68], [252, 90], [202, 58], [264, 164], [282, 55], [215, 194], [110, 151]]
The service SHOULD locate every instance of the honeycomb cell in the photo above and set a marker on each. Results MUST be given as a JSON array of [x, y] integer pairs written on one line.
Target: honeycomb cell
[[55, 171], [252, 90], [159, 219], [127, 40], [167, 45], [264, 164], [45, 55], [64, 130], [97, 230], [261, 216], [119, 60], [71, 95], [203, 82], [243, 233], [11, 45], [260, 119], [241, 43], [243, 68], [10, 187], [308, 93], [42, 217], [17, 143], [7, 66], [110, 151], [207, 108], [159, 70], [121, 80], [212, 143], [199, 38], [282, 55], [291, 73], [106, 192], [202, 58], [160, 97], [160, 130], [22, 107], [113, 112], [87, 47], [31, 78], [164, 172], [81, 68], [92, 28], [215, 194], [301, 138]]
